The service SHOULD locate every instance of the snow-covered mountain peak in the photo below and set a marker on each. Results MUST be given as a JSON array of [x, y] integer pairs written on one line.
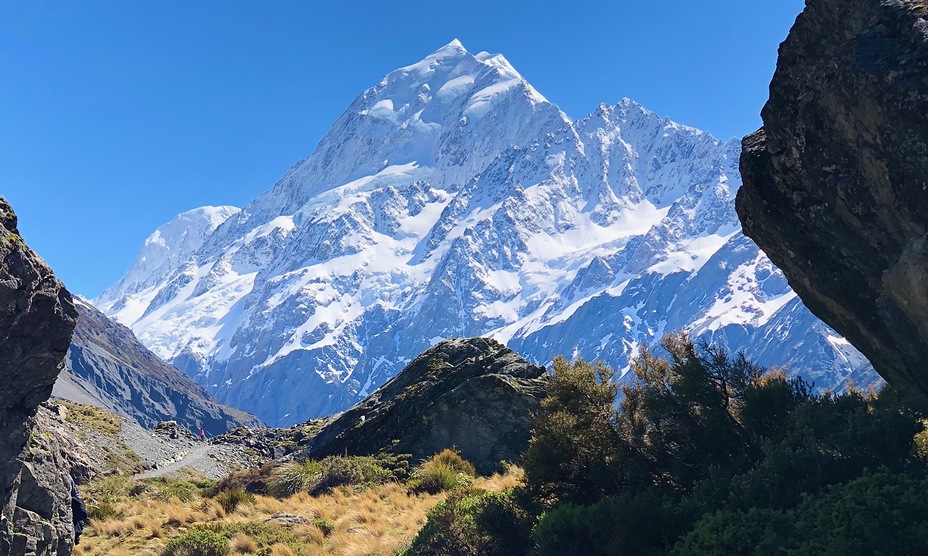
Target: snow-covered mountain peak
[[170, 245], [439, 115], [452, 200]]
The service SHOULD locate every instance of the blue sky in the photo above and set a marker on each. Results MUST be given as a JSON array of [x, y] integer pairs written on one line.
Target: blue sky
[[116, 116]]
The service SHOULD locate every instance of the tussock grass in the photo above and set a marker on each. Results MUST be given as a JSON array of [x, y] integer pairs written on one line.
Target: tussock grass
[[348, 521]]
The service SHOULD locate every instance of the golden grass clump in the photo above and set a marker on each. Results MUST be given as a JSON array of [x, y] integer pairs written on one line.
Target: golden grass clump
[[243, 544]]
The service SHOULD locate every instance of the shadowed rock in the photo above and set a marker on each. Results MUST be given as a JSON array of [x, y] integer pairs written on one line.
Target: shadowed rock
[[37, 317], [836, 183], [473, 394]]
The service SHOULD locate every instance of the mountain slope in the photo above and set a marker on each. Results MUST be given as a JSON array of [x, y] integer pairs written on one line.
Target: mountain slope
[[453, 200], [107, 367]]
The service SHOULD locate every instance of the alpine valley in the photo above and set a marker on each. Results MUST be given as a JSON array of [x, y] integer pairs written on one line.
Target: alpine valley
[[453, 200]]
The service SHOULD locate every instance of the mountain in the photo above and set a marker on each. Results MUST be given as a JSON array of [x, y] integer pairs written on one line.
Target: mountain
[[453, 200], [106, 366]]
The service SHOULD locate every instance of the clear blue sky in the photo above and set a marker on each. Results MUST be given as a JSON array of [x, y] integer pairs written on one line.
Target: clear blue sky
[[116, 116]]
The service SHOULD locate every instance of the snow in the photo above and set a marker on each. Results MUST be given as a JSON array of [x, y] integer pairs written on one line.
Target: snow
[[419, 218]]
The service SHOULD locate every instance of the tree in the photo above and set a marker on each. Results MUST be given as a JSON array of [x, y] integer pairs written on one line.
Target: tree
[[575, 448]]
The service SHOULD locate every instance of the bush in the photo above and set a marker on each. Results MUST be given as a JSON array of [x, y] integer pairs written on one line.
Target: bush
[[446, 470], [877, 513], [473, 522], [452, 459], [198, 542], [230, 499], [267, 536], [706, 446], [293, 477], [253, 480], [640, 523], [320, 477]]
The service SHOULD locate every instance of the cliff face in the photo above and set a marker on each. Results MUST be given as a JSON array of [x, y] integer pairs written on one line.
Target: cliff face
[[472, 394], [108, 367], [836, 183], [37, 317]]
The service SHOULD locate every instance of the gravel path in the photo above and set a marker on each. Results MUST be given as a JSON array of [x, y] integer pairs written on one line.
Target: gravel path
[[164, 455]]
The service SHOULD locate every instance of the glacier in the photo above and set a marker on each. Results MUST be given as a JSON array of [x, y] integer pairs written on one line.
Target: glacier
[[452, 199]]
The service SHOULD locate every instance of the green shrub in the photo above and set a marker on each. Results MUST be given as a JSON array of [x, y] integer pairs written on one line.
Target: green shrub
[[293, 477], [639, 523], [434, 477], [451, 527], [198, 542], [348, 471], [446, 470], [231, 499], [205, 484], [453, 459], [476, 523], [255, 480], [877, 513], [319, 477], [721, 456], [575, 444]]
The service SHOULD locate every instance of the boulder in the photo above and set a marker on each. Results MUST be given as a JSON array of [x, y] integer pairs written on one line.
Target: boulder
[[37, 317], [475, 395], [836, 182]]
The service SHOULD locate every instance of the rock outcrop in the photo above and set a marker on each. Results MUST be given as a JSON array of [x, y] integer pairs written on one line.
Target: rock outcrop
[[109, 368], [836, 183], [37, 317], [473, 394]]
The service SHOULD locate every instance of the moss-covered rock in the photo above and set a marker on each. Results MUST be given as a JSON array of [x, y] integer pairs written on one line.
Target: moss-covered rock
[[474, 394]]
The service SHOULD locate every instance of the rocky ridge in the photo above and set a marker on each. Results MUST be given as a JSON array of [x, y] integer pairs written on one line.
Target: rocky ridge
[[474, 394], [835, 181], [37, 317], [108, 367]]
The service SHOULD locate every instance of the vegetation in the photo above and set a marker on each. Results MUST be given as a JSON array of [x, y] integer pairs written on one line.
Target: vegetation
[[322, 476], [186, 515], [199, 542], [230, 499], [708, 454], [98, 419], [444, 471]]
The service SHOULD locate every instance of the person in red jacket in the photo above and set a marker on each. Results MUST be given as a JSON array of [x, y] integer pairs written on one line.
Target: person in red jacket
[[202, 435]]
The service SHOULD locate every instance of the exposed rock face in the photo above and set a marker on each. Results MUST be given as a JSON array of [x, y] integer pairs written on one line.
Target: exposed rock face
[[37, 317], [474, 394], [836, 183], [108, 367]]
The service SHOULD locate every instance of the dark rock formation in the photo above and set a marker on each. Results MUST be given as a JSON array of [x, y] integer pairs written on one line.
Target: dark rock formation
[[108, 367], [836, 183], [37, 317], [473, 394]]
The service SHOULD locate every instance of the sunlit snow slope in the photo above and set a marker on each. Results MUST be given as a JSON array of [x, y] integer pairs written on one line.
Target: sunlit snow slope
[[449, 200]]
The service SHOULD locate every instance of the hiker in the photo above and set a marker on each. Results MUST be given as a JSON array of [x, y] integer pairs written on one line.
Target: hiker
[[78, 512], [202, 435]]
